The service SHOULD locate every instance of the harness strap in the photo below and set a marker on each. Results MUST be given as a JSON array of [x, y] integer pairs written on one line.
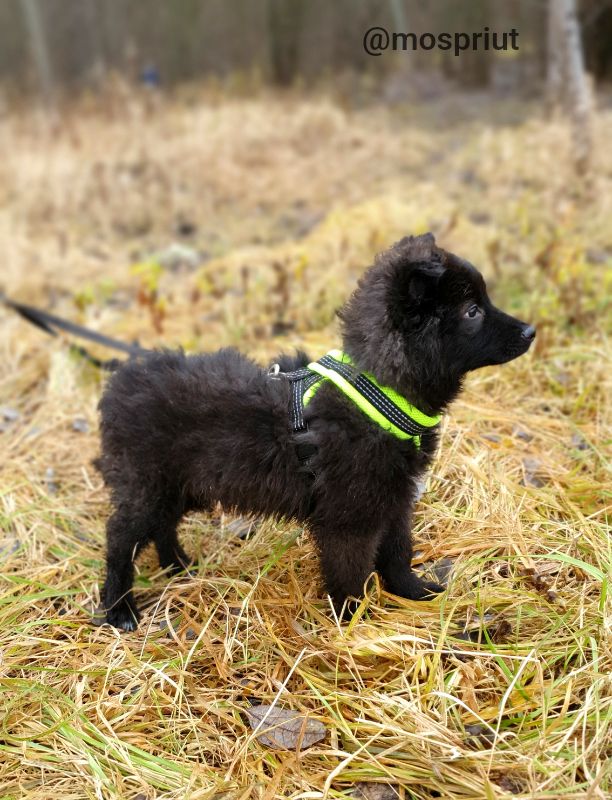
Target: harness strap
[[299, 386], [382, 404]]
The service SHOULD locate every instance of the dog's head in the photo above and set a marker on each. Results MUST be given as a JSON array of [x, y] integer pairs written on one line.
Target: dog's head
[[421, 318]]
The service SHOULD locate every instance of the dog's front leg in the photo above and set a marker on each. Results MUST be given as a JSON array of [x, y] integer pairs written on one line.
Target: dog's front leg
[[393, 564], [347, 558]]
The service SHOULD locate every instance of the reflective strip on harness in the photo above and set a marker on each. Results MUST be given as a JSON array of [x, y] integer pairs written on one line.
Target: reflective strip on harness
[[383, 405]]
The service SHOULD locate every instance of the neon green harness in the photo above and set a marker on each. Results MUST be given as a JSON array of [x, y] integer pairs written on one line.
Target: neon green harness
[[381, 404]]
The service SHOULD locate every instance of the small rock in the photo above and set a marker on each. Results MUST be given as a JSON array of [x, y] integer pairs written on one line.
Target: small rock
[[307, 221], [178, 256], [8, 547], [469, 177], [9, 414], [596, 256], [491, 437], [98, 617], [503, 570], [442, 570], [420, 486], [579, 442], [521, 434], [479, 734], [190, 633], [50, 480], [80, 425], [242, 527]]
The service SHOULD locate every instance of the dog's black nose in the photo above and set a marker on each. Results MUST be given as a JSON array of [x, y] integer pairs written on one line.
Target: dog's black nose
[[528, 332]]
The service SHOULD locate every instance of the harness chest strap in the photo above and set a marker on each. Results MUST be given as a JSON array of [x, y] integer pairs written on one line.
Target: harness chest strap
[[382, 404]]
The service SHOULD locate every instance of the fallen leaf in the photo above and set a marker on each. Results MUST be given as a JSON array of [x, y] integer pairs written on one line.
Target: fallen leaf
[[375, 791], [531, 468], [512, 784], [479, 734], [540, 577], [283, 729]]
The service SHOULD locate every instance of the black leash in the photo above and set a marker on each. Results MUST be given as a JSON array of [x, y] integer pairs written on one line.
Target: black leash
[[50, 324]]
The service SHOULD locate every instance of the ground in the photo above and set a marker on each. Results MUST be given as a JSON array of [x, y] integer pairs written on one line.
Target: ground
[[205, 220]]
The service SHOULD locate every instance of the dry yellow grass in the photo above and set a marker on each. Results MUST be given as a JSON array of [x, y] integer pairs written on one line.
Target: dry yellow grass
[[291, 198]]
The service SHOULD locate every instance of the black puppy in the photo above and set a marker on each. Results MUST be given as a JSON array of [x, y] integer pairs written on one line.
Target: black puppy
[[181, 433]]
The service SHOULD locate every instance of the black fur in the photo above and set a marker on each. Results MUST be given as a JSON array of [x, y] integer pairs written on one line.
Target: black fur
[[180, 432]]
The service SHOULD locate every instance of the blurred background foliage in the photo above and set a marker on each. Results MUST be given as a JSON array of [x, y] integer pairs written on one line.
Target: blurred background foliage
[[281, 42]]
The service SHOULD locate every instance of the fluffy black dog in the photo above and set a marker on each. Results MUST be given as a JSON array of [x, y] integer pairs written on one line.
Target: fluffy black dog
[[181, 433]]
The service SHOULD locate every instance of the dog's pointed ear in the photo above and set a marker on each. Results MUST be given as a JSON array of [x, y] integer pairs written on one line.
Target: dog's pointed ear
[[417, 248], [421, 282]]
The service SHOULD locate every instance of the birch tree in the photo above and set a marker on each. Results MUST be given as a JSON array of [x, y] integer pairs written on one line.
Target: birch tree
[[39, 49], [567, 79]]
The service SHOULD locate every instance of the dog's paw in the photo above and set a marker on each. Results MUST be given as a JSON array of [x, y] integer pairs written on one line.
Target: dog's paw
[[345, 609], [182, 571], [427, 590], [123, 615], [414, 588]]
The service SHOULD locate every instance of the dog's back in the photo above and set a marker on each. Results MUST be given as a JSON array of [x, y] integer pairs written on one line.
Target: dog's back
[[193, 420]]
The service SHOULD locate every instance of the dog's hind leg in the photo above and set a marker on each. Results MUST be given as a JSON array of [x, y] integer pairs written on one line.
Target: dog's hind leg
[[393, 564], [128, 531], [126, 535], [171, 555]]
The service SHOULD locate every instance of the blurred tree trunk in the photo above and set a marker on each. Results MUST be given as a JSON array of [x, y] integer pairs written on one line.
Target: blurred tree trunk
[[98, 57], [284, 22], [554, 59], [567, 81], [398, 12], [39, 49]]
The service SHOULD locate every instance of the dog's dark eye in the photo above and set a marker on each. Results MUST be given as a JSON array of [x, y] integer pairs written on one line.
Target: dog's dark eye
[[473, 311]]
